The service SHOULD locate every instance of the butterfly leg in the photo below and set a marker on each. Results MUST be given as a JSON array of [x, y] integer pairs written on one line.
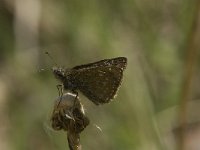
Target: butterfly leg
[[60, 89], [76, 98], [60, 92]]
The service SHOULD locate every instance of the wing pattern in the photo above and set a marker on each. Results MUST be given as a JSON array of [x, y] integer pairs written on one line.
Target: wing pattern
[[100, 81]]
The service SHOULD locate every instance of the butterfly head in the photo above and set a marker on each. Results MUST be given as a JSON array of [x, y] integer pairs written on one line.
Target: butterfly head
[[59, 73]]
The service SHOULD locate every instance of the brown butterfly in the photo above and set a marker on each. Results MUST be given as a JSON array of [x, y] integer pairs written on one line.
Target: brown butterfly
[[98, 81]]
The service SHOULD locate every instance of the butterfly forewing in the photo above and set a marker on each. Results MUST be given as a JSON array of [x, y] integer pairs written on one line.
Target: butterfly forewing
[[100, 83], [118, 62]]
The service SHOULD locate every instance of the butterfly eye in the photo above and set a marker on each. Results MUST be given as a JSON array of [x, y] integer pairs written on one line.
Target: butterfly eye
[[54, 69], [57, 72]]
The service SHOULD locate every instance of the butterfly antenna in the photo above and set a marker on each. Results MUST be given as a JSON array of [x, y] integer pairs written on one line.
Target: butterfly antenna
[[51, 58]]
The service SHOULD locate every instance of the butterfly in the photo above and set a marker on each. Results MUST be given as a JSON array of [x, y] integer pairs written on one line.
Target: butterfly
[[98, 81]]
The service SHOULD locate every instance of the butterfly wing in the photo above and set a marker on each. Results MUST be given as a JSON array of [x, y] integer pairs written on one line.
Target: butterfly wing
[[119, 62], [100, 83]]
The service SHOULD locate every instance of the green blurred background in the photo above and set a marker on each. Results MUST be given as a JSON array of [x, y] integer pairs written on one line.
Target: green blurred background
[[160, 40]]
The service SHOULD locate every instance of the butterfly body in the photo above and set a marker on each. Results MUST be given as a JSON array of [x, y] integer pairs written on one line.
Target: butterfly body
[[98, 81]]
